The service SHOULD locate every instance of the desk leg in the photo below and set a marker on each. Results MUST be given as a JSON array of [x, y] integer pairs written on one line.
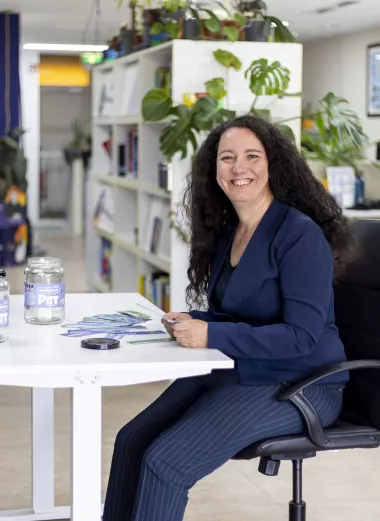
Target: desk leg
[[43, 450], [86, 452]]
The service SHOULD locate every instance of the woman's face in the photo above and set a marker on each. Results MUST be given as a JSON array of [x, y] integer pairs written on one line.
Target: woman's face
[[242, 166]]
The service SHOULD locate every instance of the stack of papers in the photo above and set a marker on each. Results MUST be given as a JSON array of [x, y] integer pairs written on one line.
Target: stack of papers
[[115, 326]]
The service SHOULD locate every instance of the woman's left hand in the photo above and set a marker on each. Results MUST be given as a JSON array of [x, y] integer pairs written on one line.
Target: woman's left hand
[[191, 333]]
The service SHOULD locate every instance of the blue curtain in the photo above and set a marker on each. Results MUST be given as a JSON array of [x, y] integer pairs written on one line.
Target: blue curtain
[[10, 101]]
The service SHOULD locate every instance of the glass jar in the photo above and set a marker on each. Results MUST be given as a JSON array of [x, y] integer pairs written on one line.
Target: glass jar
[[4, 307], [44, 291]]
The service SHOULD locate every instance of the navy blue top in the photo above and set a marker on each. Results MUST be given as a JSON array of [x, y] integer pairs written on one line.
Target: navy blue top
[[276, 314]]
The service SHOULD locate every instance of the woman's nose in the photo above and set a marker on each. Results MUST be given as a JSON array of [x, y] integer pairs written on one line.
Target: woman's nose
[[239, 167]]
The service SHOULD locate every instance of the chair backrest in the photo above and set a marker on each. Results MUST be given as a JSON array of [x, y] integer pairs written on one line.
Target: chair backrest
[[357, 313]]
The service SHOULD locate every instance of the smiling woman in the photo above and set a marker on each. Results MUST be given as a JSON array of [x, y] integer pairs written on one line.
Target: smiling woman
[[253, 163], [262, 234]]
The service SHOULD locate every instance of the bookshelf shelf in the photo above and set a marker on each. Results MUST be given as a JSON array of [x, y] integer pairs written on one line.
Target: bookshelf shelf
[[130, 245]]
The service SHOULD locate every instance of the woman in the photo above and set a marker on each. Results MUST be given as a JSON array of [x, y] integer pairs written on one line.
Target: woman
[[265, 240]]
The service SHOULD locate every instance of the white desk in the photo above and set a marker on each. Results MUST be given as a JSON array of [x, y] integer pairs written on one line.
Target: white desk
[[38, 357]]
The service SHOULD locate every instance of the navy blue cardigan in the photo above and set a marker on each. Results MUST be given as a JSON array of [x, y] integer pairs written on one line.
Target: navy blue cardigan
[[277, 315]]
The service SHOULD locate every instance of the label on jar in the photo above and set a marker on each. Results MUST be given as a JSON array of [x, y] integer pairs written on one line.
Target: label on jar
[[4, 312], [44, 295]]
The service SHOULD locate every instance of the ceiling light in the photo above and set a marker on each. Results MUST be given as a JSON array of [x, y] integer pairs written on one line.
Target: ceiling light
[[63, 47]]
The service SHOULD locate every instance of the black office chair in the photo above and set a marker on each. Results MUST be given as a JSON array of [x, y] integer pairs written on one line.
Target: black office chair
[[357, 310]]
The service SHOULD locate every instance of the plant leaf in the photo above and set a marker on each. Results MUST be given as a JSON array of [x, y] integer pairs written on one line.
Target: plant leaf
[[240, 19], [227, 59], [262, 113], [172, 28], [157, 28], [215, 88], [222, 6], [267, 79], [320, 124], [281, 33], [178, 133], [285, 129], [232, 33], [156, 105], [212, 23]]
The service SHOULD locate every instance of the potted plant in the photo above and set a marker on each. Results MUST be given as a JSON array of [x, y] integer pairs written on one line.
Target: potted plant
[[80, 145], [338, 140], [259, 25], [13, 164]]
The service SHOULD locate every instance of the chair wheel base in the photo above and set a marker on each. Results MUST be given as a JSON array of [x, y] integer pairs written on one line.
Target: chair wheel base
[[269, 467], [297, 511]]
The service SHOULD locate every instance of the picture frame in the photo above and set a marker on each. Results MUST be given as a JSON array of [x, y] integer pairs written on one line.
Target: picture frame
[[373, 80]]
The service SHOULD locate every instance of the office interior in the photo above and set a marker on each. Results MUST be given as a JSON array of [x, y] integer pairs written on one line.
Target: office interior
[[98, 185]]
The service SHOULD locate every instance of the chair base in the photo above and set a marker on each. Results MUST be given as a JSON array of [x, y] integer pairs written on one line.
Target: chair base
[[297, 511], [297, 507]]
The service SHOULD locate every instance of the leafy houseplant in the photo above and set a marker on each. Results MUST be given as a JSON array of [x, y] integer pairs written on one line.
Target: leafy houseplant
[[13, 164], [80, 145], [185, 124], [259, 25], [338, 138]]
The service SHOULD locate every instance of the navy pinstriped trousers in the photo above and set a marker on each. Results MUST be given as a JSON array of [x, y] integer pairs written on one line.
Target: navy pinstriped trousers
[[193, 428]]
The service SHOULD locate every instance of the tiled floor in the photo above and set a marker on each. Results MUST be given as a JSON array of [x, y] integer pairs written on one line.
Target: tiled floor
[[341, 486]]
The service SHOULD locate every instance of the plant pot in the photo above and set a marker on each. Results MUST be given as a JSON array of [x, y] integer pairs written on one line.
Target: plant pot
[[190, 29], [150, 16], [71, 154], [255, 31], [127, 40]]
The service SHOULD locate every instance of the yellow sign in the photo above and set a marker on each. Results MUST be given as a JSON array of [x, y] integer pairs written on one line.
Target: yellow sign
[[63, 71]]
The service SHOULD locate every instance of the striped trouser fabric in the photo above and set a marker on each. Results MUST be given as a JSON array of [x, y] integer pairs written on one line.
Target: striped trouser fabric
[[193, 428]]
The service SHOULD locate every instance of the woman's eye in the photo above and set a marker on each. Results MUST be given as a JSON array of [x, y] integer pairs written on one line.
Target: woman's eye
[[252, 156], [227, 158]]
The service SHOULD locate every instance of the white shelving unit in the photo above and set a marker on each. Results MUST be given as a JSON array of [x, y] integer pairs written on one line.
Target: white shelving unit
[[118, 88]]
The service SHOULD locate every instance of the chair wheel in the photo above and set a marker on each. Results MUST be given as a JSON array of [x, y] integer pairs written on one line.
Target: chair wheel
[[269, 467]]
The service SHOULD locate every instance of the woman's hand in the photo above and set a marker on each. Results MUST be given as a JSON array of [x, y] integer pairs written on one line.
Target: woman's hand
[[174, 316], [191, 333]]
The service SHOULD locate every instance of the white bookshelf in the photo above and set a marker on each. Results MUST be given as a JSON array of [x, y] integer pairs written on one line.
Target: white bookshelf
[[125, 82]]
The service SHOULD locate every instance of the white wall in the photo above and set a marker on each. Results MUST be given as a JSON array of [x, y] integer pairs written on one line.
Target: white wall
[[30, 103], [340, 65]]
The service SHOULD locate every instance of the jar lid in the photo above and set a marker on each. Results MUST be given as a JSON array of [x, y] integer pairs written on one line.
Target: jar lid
[[3, 273], [44, 262]]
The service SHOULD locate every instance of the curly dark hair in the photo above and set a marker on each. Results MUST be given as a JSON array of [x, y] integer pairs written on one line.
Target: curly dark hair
[[211, 214]]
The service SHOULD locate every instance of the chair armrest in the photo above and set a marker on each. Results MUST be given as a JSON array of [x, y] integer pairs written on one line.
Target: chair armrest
[[327, 371], [295, 395]]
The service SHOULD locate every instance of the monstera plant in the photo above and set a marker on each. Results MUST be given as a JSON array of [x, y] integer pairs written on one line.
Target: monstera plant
[[185, 123], [269, 79], [339, 138]]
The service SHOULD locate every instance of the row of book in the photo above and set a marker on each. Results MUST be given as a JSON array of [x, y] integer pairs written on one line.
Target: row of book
[[105, 267], [156, 288], [127, 161]]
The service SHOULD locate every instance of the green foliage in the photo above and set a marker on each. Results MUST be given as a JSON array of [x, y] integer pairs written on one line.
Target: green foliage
[[185, 123], [267, 79], [13, 164], [156, 105], [231, 33], [215, 88], [227, 59], [281, 33], [338, 139]]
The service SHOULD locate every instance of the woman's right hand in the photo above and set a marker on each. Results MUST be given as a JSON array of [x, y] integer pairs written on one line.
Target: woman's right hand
[[181, 317]]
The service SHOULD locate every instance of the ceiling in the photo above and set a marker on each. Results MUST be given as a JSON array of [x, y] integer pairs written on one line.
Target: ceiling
[[73, 21]]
